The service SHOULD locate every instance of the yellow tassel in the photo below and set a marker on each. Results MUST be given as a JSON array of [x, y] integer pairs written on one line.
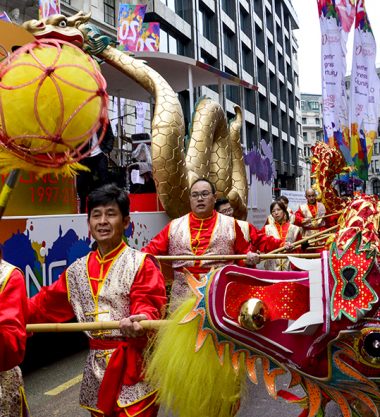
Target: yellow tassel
[[193, 384], [9, 162]]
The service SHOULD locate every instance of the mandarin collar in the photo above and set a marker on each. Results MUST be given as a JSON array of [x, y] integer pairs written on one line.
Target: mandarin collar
[[110, 255], [205, 218]]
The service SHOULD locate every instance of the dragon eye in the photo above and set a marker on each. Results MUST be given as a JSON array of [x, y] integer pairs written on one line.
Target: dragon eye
[[62, 24], [369, 346]]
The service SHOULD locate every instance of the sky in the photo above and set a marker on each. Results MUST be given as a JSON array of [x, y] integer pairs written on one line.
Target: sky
[[308, 37]]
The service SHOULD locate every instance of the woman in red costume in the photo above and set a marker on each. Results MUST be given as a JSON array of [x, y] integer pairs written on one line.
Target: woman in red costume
[[281, 229]]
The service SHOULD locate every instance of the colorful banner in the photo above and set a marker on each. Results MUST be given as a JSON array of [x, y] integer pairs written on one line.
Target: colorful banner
[[336, 18], [364, 94], [129, 25], [4, 17], [149, 39], [48, 8], [49, 244]]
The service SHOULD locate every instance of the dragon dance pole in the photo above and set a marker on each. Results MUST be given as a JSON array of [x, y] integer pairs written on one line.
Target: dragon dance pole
[[234, 257], [81, 327], [7, 189]]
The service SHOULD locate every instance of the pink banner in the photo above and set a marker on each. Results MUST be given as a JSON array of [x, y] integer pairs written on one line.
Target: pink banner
[[129, 25], [336, 18], [48, 8], [149, 39], [364, 94]]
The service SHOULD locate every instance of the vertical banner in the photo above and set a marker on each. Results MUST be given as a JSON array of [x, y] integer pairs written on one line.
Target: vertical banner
[[336, 18], [364, 93], [48, 8], [149, 39], [129, 25]]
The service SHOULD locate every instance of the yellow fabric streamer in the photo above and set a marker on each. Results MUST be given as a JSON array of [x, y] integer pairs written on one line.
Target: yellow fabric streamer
[[193, 384]]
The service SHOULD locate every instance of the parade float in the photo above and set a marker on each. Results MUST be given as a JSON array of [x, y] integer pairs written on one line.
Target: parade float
[[41, 216]]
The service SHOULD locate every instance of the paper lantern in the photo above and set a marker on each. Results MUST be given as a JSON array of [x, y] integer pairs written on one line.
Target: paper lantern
[[52, 99]]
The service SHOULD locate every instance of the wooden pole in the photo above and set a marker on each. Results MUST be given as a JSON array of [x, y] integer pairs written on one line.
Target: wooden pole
[[328, 215], [305, 239], [81, 327], [230, 257]]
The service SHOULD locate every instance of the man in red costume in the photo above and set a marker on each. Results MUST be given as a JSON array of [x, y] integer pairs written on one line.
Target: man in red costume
[[201, 232], [13, 313], [310, 216], [113, 282]]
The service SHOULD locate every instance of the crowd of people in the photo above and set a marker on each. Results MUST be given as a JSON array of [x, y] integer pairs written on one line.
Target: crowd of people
[[115, 282]]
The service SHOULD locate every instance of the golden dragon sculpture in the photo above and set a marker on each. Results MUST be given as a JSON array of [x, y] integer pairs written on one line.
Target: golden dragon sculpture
[[214, 147]]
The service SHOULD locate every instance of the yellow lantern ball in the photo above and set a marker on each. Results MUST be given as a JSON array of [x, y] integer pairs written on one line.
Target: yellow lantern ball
[[52, 99]]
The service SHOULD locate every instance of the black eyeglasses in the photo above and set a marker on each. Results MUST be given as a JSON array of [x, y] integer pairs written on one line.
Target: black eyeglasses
[[203, 194]]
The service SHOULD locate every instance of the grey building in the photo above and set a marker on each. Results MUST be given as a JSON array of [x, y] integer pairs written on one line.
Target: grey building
[[252, 40], [312, 127]]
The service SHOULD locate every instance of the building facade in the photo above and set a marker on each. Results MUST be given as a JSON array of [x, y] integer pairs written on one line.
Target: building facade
[[312, 128], [252, 40]]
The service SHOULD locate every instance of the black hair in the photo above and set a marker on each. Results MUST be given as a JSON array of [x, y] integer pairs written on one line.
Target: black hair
[[205, 180], [220, 202], [282, 207], [106, 194], [284, 198]]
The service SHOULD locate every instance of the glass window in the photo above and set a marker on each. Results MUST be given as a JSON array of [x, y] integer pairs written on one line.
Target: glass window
[[229, 43], [170, 4], [247, 59], [163, 41], [314, 105], [376, 187], [245, 22], [249, 100], [229, 7], [172, 45], [207, 25], [109, 12]]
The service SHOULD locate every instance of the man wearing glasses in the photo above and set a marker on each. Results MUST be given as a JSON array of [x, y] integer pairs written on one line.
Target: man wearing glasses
[[201, 232]]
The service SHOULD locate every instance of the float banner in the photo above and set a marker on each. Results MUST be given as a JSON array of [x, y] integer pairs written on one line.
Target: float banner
[[336, 18], [129, 25], [149, 39], [364, 93], [4, 17], [48, 8]]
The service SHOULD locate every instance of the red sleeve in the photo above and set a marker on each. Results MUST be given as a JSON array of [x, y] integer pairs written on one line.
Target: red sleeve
[[51, 304], [148, 294], [261, 242], [13, 315], [241, 246], [298, 218], [159, 244]]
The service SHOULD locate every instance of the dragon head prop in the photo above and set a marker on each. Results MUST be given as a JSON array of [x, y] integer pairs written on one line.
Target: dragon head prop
[[320, 324]]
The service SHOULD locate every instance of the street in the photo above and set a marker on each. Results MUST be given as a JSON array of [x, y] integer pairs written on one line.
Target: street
[[53, 391]]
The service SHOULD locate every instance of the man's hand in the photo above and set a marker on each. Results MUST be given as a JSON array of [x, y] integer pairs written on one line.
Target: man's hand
[[252, 259], [288, 246], [130, 326], [306, 222]]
